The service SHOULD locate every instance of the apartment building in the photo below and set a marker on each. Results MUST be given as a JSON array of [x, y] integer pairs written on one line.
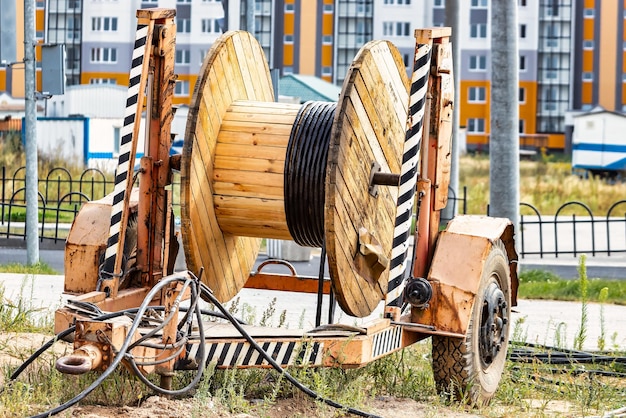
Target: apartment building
[[571, 52]]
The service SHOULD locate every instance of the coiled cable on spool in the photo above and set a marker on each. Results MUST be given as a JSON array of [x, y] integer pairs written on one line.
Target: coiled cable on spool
[[305, 172]]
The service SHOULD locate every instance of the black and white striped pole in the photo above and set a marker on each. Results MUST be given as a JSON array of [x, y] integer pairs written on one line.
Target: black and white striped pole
[[408, 179], [111, 268]]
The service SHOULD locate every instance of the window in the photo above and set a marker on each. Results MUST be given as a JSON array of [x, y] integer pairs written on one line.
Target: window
[[183, 1], [327, 39], [476, 95], [520, 126], [439, 4], [587, 44], [326, 71], [552, 9], [478, 30], [405, 59], [624, 78], [587, 76], [522, 31], [183, 25], [521, 3], [102, 81], [403, 28], [287, 70], [522, 62], [288, 39], [387, 28], [521, 95], [210, 26], [479, 4], [104, 24], [181, 88], [182, 56], [328, 8], [108, 55], [589, 13], [478, 63], [289, 7], [476, 125]]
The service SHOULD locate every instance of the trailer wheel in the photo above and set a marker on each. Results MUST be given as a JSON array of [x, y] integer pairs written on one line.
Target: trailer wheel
[[469, 369]]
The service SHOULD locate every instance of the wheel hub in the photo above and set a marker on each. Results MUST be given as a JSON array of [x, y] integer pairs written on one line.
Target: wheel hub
[[493, 324]]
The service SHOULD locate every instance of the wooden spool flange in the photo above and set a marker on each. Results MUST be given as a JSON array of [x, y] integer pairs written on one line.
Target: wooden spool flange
[[233, 168]]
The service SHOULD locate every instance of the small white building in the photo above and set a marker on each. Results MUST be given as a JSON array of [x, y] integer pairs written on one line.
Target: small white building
[[599, 142], [85, 123]]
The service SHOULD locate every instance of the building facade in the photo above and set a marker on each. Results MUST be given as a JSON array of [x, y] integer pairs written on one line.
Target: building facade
[[572, 53]]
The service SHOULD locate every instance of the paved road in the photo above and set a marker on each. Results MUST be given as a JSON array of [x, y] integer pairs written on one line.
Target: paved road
[[613, 267], [542, 322]]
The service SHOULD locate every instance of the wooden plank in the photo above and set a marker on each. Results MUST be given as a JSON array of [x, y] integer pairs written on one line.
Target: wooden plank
[[242, 179], [244, 111], [246, 73], [246, 134], [251, 164], [390, 132], [250, 151], [260, 230], [248, 190]]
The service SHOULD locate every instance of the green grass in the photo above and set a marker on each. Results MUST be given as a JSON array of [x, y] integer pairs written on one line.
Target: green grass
[[18, 268], [65, 214], [540, 284]]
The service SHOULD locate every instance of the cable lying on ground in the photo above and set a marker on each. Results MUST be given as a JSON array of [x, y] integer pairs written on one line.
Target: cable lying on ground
[[185, 328]]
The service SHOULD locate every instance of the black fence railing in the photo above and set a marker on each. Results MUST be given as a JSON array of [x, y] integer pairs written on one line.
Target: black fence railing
[[571, 231]]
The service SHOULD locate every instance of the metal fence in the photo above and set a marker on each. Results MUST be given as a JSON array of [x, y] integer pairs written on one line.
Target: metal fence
[[572, 231], [60, 193]]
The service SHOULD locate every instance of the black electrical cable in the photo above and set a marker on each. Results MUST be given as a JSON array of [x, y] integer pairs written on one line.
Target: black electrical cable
[[61, 335], [530, 353], [121, 352], [201, 363], [305, 172], [206, 292]]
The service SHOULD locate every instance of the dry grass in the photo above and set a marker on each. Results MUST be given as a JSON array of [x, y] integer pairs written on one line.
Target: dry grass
[[545, 184]]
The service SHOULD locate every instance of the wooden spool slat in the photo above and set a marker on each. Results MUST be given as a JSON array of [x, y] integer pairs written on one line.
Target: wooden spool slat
[[369, 127], [234, 69]]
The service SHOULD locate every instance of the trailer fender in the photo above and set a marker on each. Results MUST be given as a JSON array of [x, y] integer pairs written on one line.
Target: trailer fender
[[457, 267]]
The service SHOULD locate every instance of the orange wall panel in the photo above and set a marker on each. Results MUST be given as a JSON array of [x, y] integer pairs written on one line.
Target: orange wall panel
[[289, 23], [528, 109], [288, 54], [587, 60], [556, 141], [327, 24], [587, 93], [327, 55]]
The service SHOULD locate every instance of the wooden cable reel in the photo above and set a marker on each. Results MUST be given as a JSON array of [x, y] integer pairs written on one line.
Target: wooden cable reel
[[253, 168]]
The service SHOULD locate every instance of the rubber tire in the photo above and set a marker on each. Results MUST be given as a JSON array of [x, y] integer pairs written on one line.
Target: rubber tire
[[457, 367]]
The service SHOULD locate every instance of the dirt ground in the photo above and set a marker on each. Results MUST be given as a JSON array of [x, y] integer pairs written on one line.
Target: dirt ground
[[13, 347], [157, 407]]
